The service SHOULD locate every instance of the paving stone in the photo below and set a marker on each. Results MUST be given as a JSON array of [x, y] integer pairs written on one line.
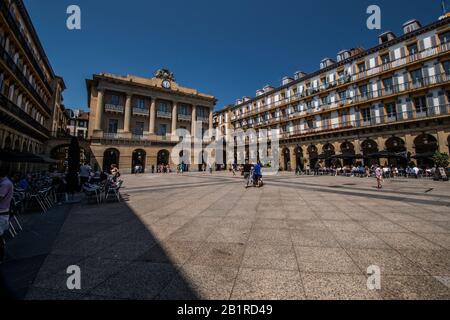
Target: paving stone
[[266, 284]]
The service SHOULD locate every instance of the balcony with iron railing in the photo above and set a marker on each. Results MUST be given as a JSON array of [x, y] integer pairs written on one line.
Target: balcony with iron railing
[[137, 138], [184, 117], [141, 112], [13, 24], [164, 114], [348, 79], [372, 96], [16, 111], [109, 107], [6, 58], [400, 117]]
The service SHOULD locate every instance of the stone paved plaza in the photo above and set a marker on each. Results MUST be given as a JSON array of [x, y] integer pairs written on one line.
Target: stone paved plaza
[[201, 236]]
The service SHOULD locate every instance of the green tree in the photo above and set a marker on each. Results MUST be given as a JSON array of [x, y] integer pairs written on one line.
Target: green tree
[[441, 160]]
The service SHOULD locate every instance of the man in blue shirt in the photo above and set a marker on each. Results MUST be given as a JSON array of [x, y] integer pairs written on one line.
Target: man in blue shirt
[[257, 172]]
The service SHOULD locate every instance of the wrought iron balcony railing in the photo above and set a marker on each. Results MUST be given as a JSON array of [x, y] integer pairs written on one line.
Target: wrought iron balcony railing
[[6, 58], [15, 110], [141, 112], [348, 79], [13, 24], [184, 117], [399, 117], [113, 108], [164, 114]]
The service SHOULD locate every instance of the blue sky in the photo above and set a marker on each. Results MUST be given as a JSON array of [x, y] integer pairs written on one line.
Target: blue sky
[[227, 48]]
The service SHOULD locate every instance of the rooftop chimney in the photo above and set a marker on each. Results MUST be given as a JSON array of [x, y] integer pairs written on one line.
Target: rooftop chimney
[[299, 75], [385, 37], [286, 80], [411, 25]]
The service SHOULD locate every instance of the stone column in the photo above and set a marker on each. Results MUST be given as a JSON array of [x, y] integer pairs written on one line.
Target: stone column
[[442, 141], [127, 120], [152, 116], [174, 117], [211, 119], [99, 111], [194, 119]]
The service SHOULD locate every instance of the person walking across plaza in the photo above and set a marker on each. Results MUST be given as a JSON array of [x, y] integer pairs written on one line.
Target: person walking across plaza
[[379, 176], [6, 194]]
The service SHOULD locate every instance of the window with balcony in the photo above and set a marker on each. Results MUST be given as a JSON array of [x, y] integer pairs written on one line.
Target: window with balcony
[[385, 58], [139, 129], [325, 100], [363, 91], [140, 103], [115, 99], [326, 122], [388, 85], [162, 130], [184, 110], [345, 118], [366, 116], [310, 124], [444, 37], [391, 111], [420, 104], [412, 49], [342, 95], [416, 77], [113, 125], [446, 67], [361, 67], [163, 107]]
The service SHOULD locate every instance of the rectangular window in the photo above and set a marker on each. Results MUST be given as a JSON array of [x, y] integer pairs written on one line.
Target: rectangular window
[[362, 67], [365, 115], [388, 84], [416, 76], [391, 111], [385, 58], [113, 125], [139, 129], [162, 131], [413, 49], [343, 95], [345, 118], [140, 104], [446, 66], [115, 99], [363, 90], [163, 107], [445, 37], [184, 110], [420, 104]]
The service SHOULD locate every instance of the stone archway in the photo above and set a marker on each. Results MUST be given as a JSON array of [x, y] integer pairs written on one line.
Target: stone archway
[[313, 154], [397, 149], [162, 157], [348, 153], [138, 159], [299, 160], [286, 159], [328, 153], [425, 145], [370, 147]]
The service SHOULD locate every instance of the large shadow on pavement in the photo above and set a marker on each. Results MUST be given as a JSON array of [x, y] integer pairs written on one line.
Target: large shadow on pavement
[[121, 255]]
